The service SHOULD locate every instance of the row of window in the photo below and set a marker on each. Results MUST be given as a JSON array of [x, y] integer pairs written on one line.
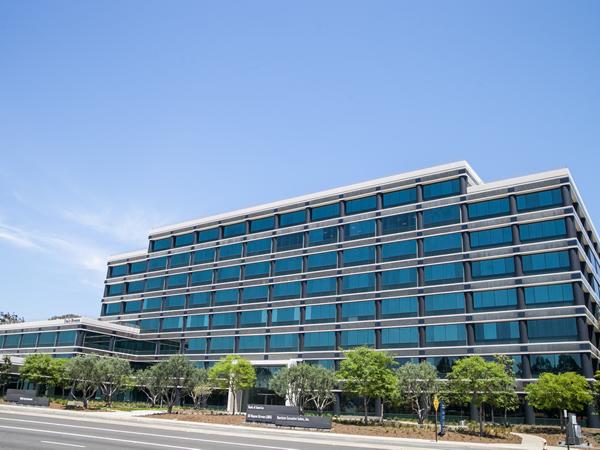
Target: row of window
[[30, 340], [390, 279]]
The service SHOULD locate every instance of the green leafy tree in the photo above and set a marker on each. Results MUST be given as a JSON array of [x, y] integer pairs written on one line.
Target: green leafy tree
[[553, 393], [368, 373], [6, 369], [150, 382], [321, 383], [174, 379], [114, 375], [507, 399], [233, 373], [200, 387], [84, 372], [418, 383], [43, 370], [292, 383]]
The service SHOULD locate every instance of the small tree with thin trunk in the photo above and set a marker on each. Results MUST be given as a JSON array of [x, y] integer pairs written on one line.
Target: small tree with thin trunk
[[150, 382], [85, 375], [115, 376], [200, 387], [418, 383], [6, 368], [174, 375], [233, 373], [321, 383], [292, 383]]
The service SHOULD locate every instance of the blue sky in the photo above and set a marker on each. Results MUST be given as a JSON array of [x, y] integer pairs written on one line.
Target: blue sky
[[117, 117]]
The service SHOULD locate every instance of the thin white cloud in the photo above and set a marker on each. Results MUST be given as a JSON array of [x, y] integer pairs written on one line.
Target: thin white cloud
[[16, 237]]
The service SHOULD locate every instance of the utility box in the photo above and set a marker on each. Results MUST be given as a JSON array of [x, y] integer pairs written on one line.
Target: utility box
[[574, 436]]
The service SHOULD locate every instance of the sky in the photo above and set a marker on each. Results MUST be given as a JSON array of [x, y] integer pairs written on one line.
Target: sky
[[119, 117]]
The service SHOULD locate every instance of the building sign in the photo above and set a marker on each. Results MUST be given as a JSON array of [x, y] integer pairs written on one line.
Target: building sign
[[25, 397], [265, 413], [285, 416]]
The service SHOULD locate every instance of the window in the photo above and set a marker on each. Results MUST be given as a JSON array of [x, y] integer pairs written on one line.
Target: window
[[157, 264], [111, 309], [288, 265], [172, 323], [499, 299], [28, 340], [251, 344], [358, 256], [177, 281], [155, 284], [555, 363], [204, 256], [395, 251], [292, 218], [321, 286], [226, 297], [284, 343], [399, 198], [118, 271], [322, 261], [222, 344], [256, 318], [445, 335], [199, 299], [358, 283], [115, 289], [264, 224], [439, 245], [149, 325], [285, 316], [320, 314], [552, 295], [397, 279], [399, 223], [354, 311], [441, 189], [152, 304], [138, 267], [491, 238], [543, 230], [255, 294], [259, 247], [546, 262], [66, 338], [322, 236], [493, 268], [489, 208], [45, 340], [444, 273], [452, 303], [441, 216], [168, 347], [539, 200], [230, 251], [319, 341], [392, 308], [290, 242], [497, 333], [552, 330], [208, 235], [202, 277], [225, 274], [399, 337], [184, 239], [236, 229], [285, 291], [325, 212], [198, 322], [360, 205], [161, 244], [133, 307], [225, 320], [179, 260], [359, 230], [196, 345], [175, 302], [135, 347], [134, 287], [357, 338], [257, 270]]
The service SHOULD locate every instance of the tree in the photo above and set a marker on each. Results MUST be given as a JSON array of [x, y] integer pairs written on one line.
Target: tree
[[6, 369], [149, 381], [418, 383], [368, 373], [114, 375], [6, 317], [321, 383], [507, 399], [83, 371], [233, 373], [291, 383], [174, 375], [200, 387], [552, 392], [43, 370]]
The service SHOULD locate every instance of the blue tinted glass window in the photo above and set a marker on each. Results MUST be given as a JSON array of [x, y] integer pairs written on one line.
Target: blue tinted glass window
[[319, 341], [322, 236], [202, 277], [288, 265], [118, 271], [28, 340], [491, 238], [400, 337], [222, 344], [111, 309], [444, 273], [443, 335], [264, 224], [179, 260], [133, 307], [175, 302], [397, 279], [353, 311], [184, 239], [225, 320], [236, 229], [497, 333], [149, 325], [157, 263], [546, 262], [255, 294], [552, 330], [491, 268], [321, 286], [152, 304], [359, 230], [451, 303], [259, 247], [45, 340], [320, 314], [284, 291], [357, 338], [358, 283], [361, 205], [172, 323], [196, 345], [489, 208], [66, 338], [284, 343], [12, 341], [161, 244], [398, 198], [135, 287], [555, 363], [399, 223], [539, 200], [551, 295], [441, 189], [208, 235], [226, 297], [225, 274], [441, 216], [115, 289], [251, 344], [499, 299], [285, 316], [257, 318], [322, 261], [256, 270], [290, 241], [230, 251], [155, 284], [358, 256], [177, 281], [293, 218], [543, 230], [138, 267], [438, 245], [325, 212], [399, 307], [395, 251], [204, 256], [199, 299]]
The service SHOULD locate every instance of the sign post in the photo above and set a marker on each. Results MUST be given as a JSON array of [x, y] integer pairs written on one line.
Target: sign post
[[436, 405]]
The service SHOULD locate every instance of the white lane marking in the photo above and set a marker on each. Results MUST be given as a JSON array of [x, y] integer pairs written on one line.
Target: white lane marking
[[212, 441], [62, 443]]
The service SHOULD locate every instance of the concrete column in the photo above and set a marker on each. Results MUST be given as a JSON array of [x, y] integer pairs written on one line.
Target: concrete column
[[582, 330], [468, 271], [420, 276], [421, 301], [419, 220], [592, 417], [512, 200], [574, 259], [463, 185], [466, 242], [421, 337], [523, 336], [571, 229], [515, 235], [469, 302], [337, 403], [378, 407], [470, 334], [238, 402], [518, 266], [419, 193], [566, 194], [529, 413], [586, 363], [464, 212], [420, 249], [473, 412], [521, 298], [578, 294]]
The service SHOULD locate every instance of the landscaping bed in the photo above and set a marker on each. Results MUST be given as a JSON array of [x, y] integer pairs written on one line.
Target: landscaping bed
[[554, 435]]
